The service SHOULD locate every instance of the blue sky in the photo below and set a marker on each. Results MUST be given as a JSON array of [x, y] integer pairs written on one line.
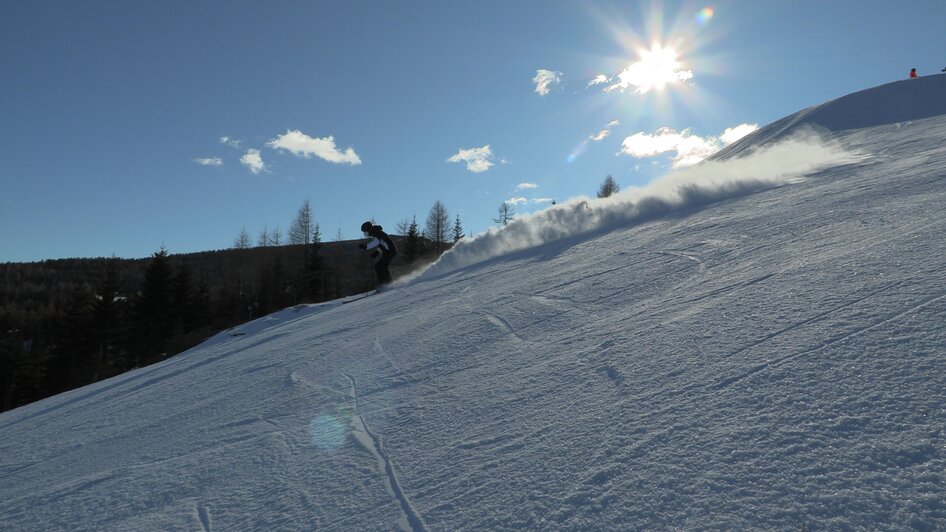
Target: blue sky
[[125, 126]]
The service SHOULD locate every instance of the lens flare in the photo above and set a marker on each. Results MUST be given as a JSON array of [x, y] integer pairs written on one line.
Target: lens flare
[[578, 151], [705, 15]]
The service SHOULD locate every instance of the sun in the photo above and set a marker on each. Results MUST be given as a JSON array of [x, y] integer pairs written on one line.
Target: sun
[[657, 68], [656, 54]]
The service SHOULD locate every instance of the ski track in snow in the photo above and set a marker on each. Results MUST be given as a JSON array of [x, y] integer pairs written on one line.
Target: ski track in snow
[[501, 323], [410, 520], [203, 514], [688, 256]]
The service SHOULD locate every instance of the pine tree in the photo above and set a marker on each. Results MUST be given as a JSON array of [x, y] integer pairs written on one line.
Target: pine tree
[[457, 230], [200, 310], [12, 359], [154, 310], [21, 373], [242, 245], [268, 287], [413, 244], [608, 187], [72, 360], [315, 271], [181, 298], [107, 322]]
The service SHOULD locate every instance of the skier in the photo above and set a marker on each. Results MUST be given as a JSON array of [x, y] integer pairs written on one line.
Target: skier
[[912, 73], [386, 248]]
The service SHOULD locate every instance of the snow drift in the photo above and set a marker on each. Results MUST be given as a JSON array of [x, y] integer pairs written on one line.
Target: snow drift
[[689, 356], [783, 163]]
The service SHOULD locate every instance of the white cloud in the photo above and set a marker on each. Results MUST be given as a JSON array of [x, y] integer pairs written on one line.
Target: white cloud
[[688, 149], [209, 161], [542, 200], [253, 160], [600, 79], [302, 145], [732, 134], [526, 186], [517, 201], [233, 143], [544, 79], [477, 159]]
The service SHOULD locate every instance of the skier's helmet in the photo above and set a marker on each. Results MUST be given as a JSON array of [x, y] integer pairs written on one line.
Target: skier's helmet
[[365, 227]]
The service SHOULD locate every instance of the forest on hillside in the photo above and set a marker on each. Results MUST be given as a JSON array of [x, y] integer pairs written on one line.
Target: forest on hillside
[[67, 323], [71, 322]]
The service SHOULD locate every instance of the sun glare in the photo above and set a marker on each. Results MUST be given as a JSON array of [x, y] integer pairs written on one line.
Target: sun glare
[[659, 54], [656, 68]]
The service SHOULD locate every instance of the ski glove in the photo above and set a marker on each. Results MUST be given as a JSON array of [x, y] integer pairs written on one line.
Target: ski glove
[[375, 254], [363, 246]]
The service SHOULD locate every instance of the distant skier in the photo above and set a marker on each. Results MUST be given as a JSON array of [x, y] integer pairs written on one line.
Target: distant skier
[[912, 73], [386, 249]]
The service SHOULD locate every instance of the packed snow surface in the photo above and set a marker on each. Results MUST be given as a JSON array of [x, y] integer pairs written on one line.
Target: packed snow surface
[[757, 343]]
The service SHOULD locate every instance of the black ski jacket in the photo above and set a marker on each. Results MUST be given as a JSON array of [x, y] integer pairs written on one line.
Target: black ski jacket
[[381, 240]]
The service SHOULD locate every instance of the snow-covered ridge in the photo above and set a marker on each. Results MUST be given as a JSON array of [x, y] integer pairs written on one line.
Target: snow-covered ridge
[[895, 102]]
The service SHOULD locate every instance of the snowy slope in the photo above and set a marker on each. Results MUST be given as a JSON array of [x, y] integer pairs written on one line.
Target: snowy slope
[[755, 344], [897, 102]]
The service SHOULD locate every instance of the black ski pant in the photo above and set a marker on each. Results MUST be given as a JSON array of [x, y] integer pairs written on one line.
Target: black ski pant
[[381, 267]]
